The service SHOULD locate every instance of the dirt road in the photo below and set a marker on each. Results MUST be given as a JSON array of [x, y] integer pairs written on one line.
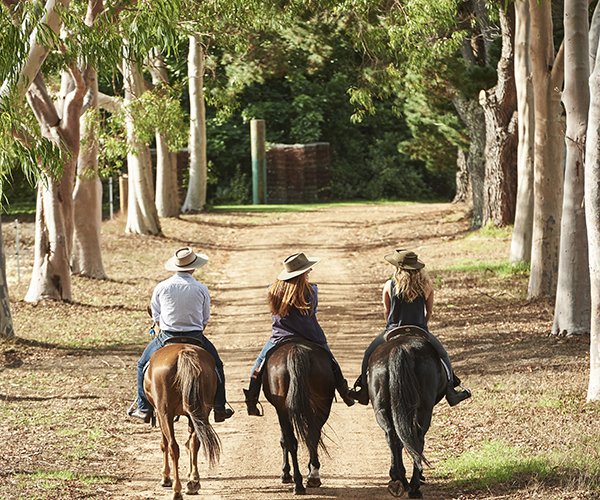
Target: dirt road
[[351, 243]]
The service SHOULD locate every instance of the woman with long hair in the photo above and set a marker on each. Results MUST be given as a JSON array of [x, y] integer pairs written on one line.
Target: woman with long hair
[[293, 303], [408, 300]]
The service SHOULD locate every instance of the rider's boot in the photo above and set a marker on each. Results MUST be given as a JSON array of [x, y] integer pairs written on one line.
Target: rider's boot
[[359, 392], [452, 395], [341, 385], [220, 412], [343, 390], [251, 397]]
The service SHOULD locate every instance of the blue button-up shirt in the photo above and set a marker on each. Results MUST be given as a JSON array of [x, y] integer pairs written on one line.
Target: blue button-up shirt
[[181, 304]]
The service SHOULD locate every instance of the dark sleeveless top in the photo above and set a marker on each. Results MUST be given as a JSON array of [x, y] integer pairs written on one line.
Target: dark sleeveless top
[[296, 323], [406, 313]]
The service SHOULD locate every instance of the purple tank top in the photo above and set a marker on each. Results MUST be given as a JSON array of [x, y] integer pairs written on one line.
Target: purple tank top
[[296, 323]]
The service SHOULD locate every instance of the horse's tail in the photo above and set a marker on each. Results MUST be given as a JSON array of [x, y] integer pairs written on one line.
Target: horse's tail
[[300, 402], [189, 373], [405, 399]]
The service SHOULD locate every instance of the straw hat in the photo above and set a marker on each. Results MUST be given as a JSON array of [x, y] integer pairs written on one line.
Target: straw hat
[[404, 259], [295, 265], [185, 259]]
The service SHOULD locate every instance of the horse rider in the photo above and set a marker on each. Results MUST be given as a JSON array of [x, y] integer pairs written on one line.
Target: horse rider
[[181, 307], [407, 300], [293, 303]]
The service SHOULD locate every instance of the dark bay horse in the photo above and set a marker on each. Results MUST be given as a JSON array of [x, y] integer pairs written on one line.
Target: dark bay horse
[[406, 380], [298, 382], [181, 380]]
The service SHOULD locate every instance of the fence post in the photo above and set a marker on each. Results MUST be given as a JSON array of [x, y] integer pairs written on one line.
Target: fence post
[[18, 252], [259, 162], [123, 193]]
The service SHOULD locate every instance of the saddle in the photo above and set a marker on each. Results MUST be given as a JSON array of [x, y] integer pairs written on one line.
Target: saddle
[[416, 331], [407, 331], [296, 339], [182, 339]]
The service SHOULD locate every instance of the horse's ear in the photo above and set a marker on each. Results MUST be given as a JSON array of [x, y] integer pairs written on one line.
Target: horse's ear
[[149, 309]]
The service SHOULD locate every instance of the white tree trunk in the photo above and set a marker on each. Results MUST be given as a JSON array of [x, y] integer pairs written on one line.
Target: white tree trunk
[[50, 277], [86, 258], [54, 212], [592, 209], [7, 331], [196, 193], [167, 195], [572, 305], [520, 248], [549, 144], [142, 217], [592, 212]]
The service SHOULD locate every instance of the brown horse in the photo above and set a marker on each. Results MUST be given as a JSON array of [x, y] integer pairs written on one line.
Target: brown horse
[[406, 380], [298, 382], [181, 380]]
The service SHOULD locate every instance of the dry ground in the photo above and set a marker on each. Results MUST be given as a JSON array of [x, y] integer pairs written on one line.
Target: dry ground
[[66, 382]]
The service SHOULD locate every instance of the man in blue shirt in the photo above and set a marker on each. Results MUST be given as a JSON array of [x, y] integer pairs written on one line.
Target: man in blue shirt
[[181, 307]]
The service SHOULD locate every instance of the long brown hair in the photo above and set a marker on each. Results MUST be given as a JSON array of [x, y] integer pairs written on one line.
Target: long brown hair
[[297, 292], [410, 283]]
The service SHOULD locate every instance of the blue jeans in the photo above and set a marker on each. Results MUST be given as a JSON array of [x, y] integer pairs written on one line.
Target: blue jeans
[[156, 344]]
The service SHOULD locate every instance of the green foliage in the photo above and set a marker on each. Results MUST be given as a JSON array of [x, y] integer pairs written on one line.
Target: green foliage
[[495, 462], [302, 85], [158, 112], [503, 269]]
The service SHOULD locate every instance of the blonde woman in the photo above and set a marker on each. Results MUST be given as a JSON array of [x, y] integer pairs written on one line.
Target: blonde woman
[[407, 300], [293, 303]]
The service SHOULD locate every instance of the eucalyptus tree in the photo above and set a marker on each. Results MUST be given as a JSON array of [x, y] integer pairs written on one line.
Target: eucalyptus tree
[[520, 246], [547, 76], [195, 199], [572, 305], [49, 145], [592, 208]]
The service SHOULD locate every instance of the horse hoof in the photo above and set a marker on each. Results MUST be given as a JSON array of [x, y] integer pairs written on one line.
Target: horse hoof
[[313, 482], [415, 494], [177, 496], [396, 488], [299, 490], [192, 487], [166, 482], [286, 478]]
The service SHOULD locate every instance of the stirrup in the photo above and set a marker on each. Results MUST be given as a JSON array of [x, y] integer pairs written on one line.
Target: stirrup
[[132, 408]]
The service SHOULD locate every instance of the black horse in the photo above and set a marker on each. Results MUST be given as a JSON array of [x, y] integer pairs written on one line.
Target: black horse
[[406, 380], [298, 381]]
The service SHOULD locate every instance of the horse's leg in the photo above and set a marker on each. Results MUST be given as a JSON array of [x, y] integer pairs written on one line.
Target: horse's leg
[[173, 448], [423, 423], [166, 471], [286, 477], [398, 483], [192, 446], [290, 445], [314, 477]]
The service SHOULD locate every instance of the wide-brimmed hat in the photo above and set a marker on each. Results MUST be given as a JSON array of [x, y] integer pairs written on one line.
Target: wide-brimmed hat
[[185, 259], [295, 265], [404, 259]]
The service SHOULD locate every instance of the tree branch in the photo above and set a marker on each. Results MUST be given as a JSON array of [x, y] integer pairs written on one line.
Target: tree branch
[[110, 103], [42, 105]]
